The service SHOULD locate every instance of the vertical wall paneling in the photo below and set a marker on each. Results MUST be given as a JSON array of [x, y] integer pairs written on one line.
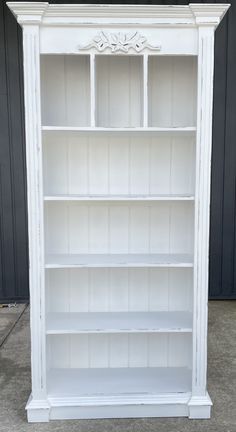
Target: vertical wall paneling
[[13, 215], [223, 208]]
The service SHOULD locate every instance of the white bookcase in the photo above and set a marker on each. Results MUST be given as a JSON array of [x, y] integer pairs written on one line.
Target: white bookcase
[[118, 105]]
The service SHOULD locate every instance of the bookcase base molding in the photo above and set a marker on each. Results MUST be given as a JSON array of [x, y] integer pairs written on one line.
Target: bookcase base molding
[[124, 406], [118, 114]]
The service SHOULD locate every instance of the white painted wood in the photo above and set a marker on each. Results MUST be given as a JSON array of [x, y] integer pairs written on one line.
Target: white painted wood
[[118, 165], [116, 289], [200, 407], [202, 210], [145, 90], [65, 90], [93, 90], [119, 198], [119, 82], [118, 322], [157, 130], [118, 260], [120, 381], [79, 36], [119, 228], [27, 12], [172, 91], [162, 407], [118, 177], [35, 215], [119, 350]]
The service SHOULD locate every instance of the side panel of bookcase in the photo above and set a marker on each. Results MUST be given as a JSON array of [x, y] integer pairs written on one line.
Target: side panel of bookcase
[[37, 406], [200, 403]]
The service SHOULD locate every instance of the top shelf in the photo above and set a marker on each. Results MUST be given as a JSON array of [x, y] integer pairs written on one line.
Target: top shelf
[[124, 92]]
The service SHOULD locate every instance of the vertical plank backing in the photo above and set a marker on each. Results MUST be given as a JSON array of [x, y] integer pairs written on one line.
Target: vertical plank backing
[[13, 225], [222, 244], [218, 155], [228, 242]]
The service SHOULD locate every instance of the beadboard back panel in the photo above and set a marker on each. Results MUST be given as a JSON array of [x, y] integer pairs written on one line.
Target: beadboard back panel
[[172, 79], [110, 164], [119, 81], [64, 80], [75, 290], [98, 228], [119, 351]]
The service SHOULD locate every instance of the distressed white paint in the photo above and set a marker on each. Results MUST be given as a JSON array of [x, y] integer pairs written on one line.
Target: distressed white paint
[[202, 208], [118, 178], [119, 228], [118, 322], [119, 83], [172, 91], [144, 164], [120, 41], [38, 399], [64, 80]]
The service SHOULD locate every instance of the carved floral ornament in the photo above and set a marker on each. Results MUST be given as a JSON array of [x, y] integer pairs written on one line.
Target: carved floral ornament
[[119, 42]]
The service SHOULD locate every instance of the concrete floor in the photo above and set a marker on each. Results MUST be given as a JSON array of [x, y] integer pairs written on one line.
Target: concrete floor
[[15, 380]]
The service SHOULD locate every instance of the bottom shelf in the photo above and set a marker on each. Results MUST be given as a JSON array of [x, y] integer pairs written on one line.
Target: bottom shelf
[[118, 381]]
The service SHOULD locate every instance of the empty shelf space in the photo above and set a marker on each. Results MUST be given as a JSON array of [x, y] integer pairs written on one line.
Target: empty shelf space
[[118, 164], [172, 90], [125, 382], [74, 197], [118, 260], [119, 322], [119, 350], [119, 289], [119, 89], [65, 90]]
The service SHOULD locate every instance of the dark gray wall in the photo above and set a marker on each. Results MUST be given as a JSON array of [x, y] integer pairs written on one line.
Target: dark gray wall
[[223, 198], [13, 215]]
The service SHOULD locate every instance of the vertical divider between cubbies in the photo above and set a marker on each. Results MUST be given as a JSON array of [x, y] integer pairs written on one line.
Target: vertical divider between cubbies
[[145, 90], [92, 91]]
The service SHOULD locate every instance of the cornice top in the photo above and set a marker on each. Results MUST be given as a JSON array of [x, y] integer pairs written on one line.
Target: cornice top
[[70, 14], [28, 12], [211, 13]]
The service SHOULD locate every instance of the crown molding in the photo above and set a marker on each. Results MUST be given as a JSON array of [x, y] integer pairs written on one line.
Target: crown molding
[[28, 12], [119, 11], [71, 14], [210, 14]]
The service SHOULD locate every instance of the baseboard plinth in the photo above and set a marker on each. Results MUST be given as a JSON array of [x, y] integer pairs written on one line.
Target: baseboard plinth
[[38, 410], [200, 407]]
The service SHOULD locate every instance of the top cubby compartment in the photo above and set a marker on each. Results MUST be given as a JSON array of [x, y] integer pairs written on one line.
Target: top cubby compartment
[[172, 91], [65, 89], [118, 91]]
